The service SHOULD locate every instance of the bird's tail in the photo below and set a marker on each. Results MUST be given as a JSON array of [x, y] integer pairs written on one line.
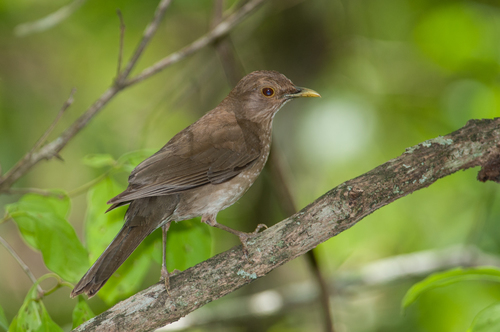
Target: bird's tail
[[142, 218]]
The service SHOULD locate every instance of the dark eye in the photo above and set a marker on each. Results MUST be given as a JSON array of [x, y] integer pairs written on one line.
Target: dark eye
[[268, 92]]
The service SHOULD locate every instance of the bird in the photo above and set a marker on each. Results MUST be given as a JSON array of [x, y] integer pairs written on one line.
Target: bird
[[202, 170]]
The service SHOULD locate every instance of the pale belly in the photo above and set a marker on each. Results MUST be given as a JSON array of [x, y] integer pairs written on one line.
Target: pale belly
[[210, 199]]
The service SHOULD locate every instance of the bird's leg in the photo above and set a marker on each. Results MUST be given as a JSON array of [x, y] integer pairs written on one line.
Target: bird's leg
[[243, 236], [164, 272]]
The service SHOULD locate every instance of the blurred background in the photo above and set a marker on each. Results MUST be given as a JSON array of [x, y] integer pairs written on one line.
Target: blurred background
[[391, 74]]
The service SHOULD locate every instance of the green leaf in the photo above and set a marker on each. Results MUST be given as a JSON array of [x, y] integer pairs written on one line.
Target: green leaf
[[4, 323], [188, 243], [81, 313], [487, 320], [33, 316], [41, 221], [99, 160], [59, 204], [449, 277]]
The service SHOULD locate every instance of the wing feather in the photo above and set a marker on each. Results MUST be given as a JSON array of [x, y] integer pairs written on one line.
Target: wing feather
[[195, 157]]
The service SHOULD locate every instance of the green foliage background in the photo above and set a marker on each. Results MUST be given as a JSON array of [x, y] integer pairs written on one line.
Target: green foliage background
[[392, 73]]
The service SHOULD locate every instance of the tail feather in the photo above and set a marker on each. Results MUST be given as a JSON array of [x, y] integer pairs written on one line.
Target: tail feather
[[142, 218], [127, 240]]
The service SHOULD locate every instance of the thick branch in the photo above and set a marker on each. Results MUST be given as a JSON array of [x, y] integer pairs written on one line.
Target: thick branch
[[476, 144], [241, 310]]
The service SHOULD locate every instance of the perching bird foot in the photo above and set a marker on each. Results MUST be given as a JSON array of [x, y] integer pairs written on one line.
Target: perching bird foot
[[244, 237], [165, 277]]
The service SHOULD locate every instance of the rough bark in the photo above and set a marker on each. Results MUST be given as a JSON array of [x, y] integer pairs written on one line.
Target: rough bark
[[476, 144]]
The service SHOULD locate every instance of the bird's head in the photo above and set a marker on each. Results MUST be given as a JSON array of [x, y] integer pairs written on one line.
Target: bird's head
[[260, 94]]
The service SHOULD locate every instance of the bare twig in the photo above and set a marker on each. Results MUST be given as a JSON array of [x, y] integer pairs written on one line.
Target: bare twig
[[146, 37], [336, 211], [52, 149], [59, 115], [23, 265], [25, 163], [122, 36], [220, 30], [48, 21]]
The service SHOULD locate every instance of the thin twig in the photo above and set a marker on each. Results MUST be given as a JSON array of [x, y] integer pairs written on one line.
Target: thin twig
[[20, 261], [146, 37], [220, 30], [331, 214], [32, 157], [59, 115], [48, 21], [122, 36], [51, 149]]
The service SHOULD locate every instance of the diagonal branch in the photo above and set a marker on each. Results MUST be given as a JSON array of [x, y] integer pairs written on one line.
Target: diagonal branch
[[23, 265], [52, 149], [49, 130], [476, 144], [120, 47], [14, 173], [220, 30], [146, 37]]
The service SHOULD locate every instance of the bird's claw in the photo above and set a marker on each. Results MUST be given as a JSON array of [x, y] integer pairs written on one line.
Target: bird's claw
[[259, 227], [165, 277], [245, 236]]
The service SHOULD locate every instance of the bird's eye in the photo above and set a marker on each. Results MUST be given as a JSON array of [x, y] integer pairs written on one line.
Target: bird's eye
[[268, 92]]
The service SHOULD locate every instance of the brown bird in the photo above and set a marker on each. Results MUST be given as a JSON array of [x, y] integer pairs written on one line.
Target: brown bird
[[202, 170]]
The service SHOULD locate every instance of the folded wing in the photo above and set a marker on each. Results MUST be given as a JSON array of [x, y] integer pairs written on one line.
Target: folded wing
[[188, 161]]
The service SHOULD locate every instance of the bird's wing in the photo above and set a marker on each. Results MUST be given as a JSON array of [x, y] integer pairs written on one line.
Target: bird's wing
[[206, 152]]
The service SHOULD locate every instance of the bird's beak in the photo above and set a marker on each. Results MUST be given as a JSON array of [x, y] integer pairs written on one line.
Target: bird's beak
[[303, 92]]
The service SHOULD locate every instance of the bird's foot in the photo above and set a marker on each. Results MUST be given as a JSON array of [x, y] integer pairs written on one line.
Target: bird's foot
[[244, 237], [165, 277], [259, 227]]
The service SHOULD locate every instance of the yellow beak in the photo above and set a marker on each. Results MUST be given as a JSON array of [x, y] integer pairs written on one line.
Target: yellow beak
[[303, 92]]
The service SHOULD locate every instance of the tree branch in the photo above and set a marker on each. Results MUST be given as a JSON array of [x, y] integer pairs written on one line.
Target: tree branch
[[120, 47], [220, 30], [146, 37], [52, 149], [23, 265], [476, 144], [241, 310]]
